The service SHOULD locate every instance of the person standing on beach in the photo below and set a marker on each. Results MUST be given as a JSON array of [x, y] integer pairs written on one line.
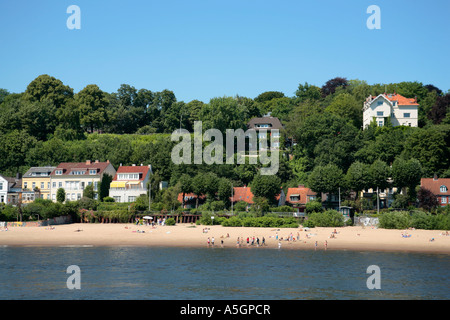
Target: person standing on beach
[[326, 244], [208, 242], [315, 246], [263, 241], [212, 241]]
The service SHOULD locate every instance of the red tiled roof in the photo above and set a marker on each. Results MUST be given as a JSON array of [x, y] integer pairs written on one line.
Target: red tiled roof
[[242, 194], [302, 191], [401, 100], [142, 170], [435, 185], [68, 167]]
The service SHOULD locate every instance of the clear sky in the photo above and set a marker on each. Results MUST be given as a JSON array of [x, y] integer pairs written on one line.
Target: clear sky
[[202, 49]]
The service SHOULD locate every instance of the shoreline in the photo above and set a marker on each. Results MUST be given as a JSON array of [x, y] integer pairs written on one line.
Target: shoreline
[[354, 238]]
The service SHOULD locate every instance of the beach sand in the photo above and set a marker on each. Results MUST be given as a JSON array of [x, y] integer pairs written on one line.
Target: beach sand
[[188, 235]]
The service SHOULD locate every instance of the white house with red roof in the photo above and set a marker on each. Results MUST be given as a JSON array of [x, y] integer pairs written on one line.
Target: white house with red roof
[[130, 182], [397, 109], [439, 187], [74, 177]]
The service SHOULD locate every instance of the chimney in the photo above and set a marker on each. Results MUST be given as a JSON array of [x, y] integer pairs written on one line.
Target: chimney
[[96, 161], [88, 162], [435, 178], [107, 161]]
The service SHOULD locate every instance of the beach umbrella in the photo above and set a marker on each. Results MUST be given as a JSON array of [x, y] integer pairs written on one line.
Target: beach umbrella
[[147, 217]]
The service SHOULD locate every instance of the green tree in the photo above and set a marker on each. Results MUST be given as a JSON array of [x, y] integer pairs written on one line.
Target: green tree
[[93, 104], [326, 179], [88, 192], [379, 173], [266, 186], [346, 106], [357, 177], [104, 187], [60, 195], [45, 87], [407, 173], [308, 92]]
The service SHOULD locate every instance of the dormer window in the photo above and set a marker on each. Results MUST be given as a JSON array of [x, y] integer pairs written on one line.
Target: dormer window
[[58, 172], [92, 171], [443, 189]]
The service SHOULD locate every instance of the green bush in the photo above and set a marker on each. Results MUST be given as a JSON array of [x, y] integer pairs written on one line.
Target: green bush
[[395, 220], [328, 218], [170, 222], [108, 199], [313, 206], [260, 222], [308, 223]]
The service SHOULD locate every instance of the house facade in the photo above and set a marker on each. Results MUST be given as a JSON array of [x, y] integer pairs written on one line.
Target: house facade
[[299, 197], [129, 183], [263, 127], [36, 184], [395, 108], [75, 177], [3, 189], [439, 187], [14, 190]]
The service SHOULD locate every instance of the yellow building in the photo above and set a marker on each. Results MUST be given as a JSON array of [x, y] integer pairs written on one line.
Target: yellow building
[[36, 184]]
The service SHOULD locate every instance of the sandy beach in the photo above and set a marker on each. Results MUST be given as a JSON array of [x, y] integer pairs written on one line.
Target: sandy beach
[[188, 235]]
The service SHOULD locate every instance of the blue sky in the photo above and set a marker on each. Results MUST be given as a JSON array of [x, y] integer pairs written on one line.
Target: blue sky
[[205, 49]]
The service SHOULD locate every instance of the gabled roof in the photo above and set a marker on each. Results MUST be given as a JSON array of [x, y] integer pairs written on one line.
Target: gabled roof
[[38, 170], [302, 191], [434, 185], [401, 100], [242, 194], [141, 170], [273, 121], [69, 167]]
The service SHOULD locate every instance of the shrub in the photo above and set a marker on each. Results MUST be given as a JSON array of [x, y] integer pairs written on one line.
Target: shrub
[[308, 223], [395, 220], [170, 222], [313, 206], [328, 218]]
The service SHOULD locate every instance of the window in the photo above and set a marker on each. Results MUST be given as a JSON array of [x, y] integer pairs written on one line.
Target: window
[[54, 184], [60, 184], [116, 198], [48, 185], [42, 185], [34, 185], [131, 198], [443, 189], [92, 171], [1, 187], [444, 200], [379, 103], [58, 172], [379, 113], [407, 115], [380, 123], [25, 185]]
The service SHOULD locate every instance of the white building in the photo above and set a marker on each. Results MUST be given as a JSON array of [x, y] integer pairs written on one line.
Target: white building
[[3, 189], [400, 111], [130, 182], [75, 177]]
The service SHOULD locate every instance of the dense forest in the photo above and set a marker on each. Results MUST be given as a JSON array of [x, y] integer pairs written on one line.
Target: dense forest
[[49, 123]]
